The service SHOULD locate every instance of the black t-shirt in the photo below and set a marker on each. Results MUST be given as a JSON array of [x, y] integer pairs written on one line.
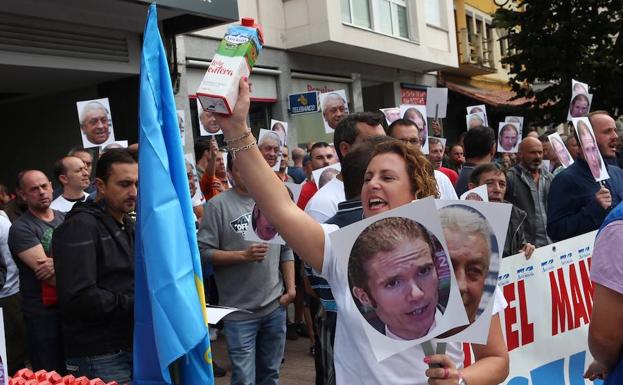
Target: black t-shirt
[[26, 232]]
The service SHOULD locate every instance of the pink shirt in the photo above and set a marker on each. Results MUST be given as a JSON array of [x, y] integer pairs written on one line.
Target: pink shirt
[[607, 263]]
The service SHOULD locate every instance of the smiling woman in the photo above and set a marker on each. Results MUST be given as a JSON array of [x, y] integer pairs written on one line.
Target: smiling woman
[[397, 174]]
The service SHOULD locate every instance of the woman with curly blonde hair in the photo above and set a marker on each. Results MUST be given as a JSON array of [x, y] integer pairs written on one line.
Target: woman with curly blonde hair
[[396, 175]]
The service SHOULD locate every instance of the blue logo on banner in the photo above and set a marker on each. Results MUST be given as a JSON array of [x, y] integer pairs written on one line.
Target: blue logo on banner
[[304, 102], [525, 272], [547, 265], [504, 279], [585, 252], [566, 259]]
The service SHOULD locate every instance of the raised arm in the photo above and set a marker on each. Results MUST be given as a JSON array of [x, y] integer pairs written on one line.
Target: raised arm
[[301, 232]]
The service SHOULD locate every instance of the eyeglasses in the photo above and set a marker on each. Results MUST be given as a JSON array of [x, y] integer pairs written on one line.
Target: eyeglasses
[[411, 141]]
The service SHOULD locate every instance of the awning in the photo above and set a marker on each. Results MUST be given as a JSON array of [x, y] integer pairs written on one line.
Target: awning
[[492, 97]]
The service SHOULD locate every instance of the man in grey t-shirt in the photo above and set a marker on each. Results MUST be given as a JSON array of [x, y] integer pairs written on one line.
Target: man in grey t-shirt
[[30, 240], [247, 277]]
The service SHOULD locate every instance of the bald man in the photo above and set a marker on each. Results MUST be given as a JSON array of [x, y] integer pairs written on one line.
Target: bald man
[[528, 187], [586, 203]]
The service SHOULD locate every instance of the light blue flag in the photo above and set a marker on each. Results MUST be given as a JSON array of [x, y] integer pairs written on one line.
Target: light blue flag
[[170, 313]]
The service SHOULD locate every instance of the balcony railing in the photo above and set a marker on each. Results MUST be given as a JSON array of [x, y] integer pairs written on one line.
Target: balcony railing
[[475, 49]]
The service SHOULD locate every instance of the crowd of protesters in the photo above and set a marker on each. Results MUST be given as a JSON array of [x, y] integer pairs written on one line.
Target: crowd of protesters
[[67, 258]]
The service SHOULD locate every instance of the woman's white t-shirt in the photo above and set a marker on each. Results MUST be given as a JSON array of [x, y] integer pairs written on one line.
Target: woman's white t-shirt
[[353, 356]]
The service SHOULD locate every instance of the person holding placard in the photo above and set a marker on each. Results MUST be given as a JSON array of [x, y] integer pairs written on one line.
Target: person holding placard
[[396, 175], [586, 202], [227, 217]]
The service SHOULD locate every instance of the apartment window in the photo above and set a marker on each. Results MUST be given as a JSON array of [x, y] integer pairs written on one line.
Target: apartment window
[[435, 13], [385, 16]]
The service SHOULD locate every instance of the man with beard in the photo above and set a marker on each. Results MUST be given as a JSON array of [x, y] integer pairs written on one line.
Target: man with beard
[[94, 262], [528, 189], [586, 203]]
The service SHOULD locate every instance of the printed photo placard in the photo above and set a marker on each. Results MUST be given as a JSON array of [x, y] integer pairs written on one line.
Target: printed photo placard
[[590, 149], [334, 108], [95, 121], [378, 259]]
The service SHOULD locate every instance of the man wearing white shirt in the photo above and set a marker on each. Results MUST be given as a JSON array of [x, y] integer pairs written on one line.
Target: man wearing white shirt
[[72, 174], [350, 131], [408, 132]]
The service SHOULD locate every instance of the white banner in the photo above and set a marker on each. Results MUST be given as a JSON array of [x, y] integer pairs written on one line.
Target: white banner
[[549, 305]]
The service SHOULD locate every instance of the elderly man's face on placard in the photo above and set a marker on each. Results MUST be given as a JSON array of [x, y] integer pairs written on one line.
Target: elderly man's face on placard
[[392, 114], [96, 125], [470, 260], [270, 149], [334, 110]]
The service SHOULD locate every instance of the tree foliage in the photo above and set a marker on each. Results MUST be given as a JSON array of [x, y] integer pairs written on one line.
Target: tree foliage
[[556, 41]]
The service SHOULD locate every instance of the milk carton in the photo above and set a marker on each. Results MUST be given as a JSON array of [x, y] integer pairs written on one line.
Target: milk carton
[[234, 58]]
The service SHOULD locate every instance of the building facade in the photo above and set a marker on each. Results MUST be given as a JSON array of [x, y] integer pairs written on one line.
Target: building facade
[[56, 53], [480, 77], [381, 52]]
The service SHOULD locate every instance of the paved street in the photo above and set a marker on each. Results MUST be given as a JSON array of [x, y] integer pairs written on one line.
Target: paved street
[[298, 368]]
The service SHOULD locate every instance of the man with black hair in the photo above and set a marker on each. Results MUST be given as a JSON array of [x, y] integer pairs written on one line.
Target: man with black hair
[[354, 128], [408, 132], [262, 328], [350, 131], [479, 146], [321, 155], [405, 130], [30, 242], [494, 177], [202, 156], [94, 262], [71, 173]]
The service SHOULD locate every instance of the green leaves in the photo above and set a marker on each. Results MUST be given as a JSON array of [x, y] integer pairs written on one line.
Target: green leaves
[[553, 42]]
